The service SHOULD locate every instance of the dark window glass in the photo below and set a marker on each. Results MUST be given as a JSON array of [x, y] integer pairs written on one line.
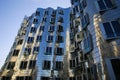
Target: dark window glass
[[46, 65], [59, 39], [60, 28], [23, 65], [32, 64], [35, 21], [101, 5], [28, 50], [10, 65], [72, 78], [48, 51], [72, 63], [6, 78], [36, 49], [108, 3], [59, 51], [45, 78], [30, 40], [33, 30], [59, 65], [16, 52], [39, 39], [116, 26], [37, 13], [50, 38], [51, 29], [41, 28], [20, 42], [108, 29]]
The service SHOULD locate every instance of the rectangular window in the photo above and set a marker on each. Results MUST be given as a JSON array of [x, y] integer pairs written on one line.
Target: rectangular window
[[36, 49], [85, 21], [52, 20], [58, 78], [41, 28], [32, 64], [72, 78], [61, 12], [6, 78], [77, 61], [37, 13], [59, 65], [60, 28], [20, 42], [112, 29], [60, 19], [35, 21], [10, 65], [105, 4], [46, 65], [24, 78], [50, 38], [59, 51], [39, 39], [44, 19], [27, 50], [30, 40], [23, 65], [16, 52], [33, 30], [53, 13], [72, 64], [59, 39], [45, 78], [48, 51], [51, 29]]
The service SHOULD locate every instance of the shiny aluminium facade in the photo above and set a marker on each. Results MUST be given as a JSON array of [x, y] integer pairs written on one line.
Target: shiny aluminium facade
[[95, 32]]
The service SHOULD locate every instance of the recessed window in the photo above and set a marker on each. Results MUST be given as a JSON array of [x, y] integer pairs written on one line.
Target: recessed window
[[61, 12], [30, 40], [32, 64], [60, 28], [60, 19], [37, 13], [23, 65], [36, 49], [16, 52], [59, 39], [41, 28], [45, 78], [6, 78], [20, 41], [35, 21], [59, 65], [72, 64], [24, 78], [48, 51], [46, 65], [112, 29], [10, 65], [33, 30], [59, 51], [44, 19], [27, 51], [50, 38], [51, 29], [52, 20]]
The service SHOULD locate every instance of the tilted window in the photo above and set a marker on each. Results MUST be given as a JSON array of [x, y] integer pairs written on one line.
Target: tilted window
[[50, 38], [59, 65], [48, 51], [10, 65], [30, 40], [59, 51], [33, 30], [32, 64], [16, 52], [20, 42], [23, 65], [46, 65], [39, 38]]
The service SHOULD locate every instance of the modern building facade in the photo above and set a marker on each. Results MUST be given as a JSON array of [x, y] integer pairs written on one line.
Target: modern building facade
[[77, 43], [95, 28]]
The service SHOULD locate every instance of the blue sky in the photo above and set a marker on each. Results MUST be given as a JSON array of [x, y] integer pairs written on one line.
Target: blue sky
[[12, 13]]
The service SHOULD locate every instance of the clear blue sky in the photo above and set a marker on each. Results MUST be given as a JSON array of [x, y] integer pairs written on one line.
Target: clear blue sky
[[12, 13]]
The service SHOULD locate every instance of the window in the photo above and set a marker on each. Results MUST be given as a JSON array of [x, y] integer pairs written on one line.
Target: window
[[46, 12], [45, 78], [30, 40], [58, 78], [59, 39], [20, 41], [33, 30], [72, 78], [24, 78], [46, 65], [27, 51], [36, 49], [53, 13], [60, 12], [52, 20], [16, 52], [85, 21], [32, 64], [6, 78], [87, 44], [60, 19], [37, 13], [82, 5], [60, 28], [112, 29], [49, 38], [77, 61], [41, 28], [10, 65], [59, 65], [44, 19], [35, 21], [48, 51], [51, 29], [72, 64], [105, 4], [39, 38], [59, 51], [76, 9], [23, 65]]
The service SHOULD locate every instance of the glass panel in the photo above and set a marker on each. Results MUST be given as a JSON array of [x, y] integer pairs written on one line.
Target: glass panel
[[108, 3], [101, 5], [108, 29], [116, 27]]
